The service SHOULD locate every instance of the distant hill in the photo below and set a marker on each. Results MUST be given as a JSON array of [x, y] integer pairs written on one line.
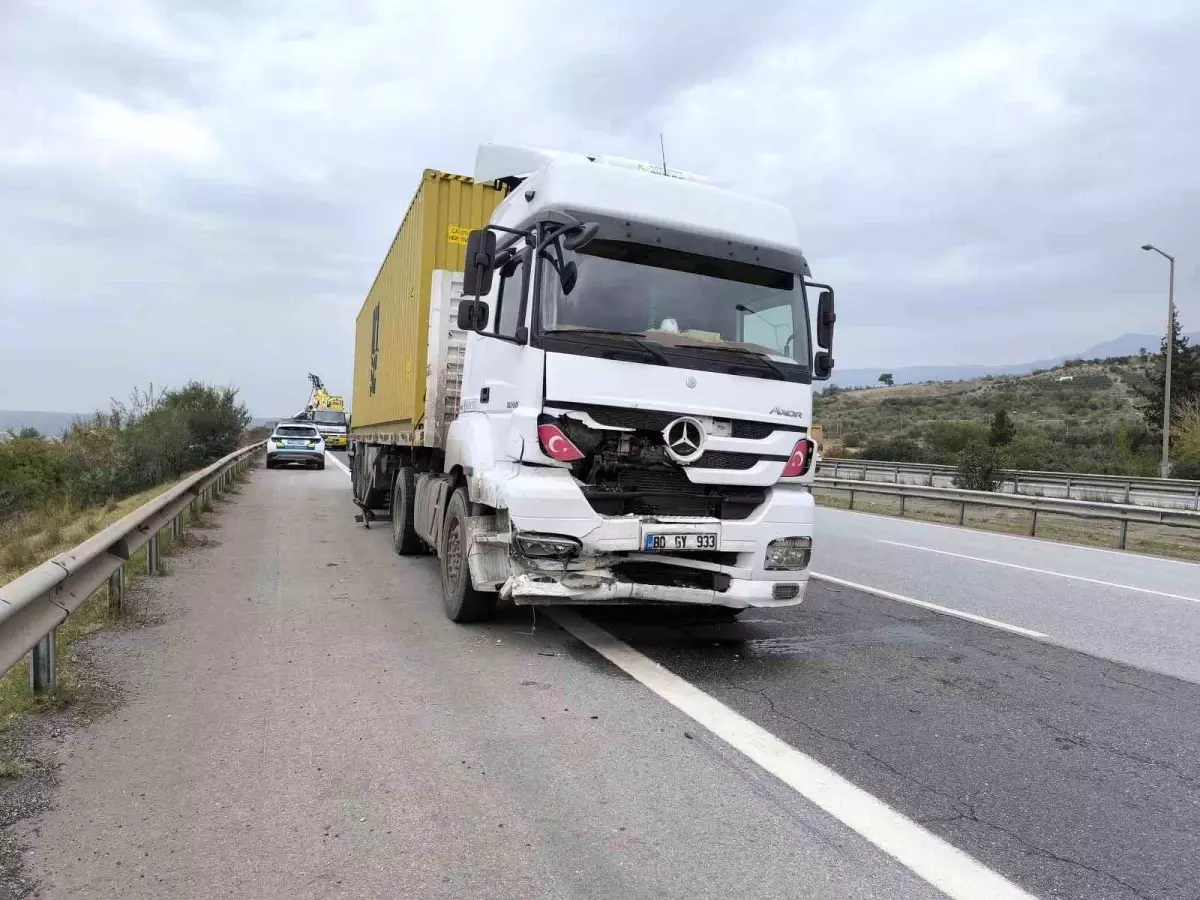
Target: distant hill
[[1080, 417], [1126, 345], [50, 423]]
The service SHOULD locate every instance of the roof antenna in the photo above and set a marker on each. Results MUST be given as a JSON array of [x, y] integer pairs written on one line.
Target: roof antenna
[[663, 148]]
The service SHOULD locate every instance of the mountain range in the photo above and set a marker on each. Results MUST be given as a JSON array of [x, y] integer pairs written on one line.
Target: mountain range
[[1125, 345]]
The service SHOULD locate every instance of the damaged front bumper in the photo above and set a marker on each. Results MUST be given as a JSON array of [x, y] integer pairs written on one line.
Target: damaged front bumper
[[602, 586]]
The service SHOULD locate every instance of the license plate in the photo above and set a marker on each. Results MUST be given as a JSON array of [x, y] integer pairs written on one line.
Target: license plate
[[297, 443], [658, 542]]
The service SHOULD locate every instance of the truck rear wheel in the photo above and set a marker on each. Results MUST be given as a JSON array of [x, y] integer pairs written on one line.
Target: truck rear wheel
[[463, 603], [404, 535]]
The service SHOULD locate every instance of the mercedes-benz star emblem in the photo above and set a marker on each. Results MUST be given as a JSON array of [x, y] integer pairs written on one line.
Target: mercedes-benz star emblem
[[685, 439]]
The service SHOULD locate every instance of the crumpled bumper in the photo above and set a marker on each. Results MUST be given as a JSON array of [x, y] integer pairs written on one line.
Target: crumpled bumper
[[603, 586]]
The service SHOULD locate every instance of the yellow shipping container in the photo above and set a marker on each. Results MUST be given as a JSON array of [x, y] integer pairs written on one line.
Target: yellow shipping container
[[392, 330]]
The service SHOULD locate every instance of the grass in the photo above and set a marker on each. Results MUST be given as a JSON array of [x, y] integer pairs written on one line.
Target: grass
[[51, 533], [1158, 540], [40, 536]]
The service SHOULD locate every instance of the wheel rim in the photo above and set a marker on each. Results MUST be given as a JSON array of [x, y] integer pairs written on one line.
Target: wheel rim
[[454, 553]]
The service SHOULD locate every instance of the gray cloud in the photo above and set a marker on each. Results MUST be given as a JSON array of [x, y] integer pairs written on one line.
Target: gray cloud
[[206, 190]]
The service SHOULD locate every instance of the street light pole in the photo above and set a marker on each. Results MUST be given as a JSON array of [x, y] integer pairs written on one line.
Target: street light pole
[[1165, 466]]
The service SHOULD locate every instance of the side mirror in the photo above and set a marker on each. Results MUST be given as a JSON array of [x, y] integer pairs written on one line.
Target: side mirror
[[822, 365], [481, 258], [825, 320], [568, 277], [473, 314]]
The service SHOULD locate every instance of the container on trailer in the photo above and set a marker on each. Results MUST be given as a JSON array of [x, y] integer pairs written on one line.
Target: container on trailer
[[392, 332]]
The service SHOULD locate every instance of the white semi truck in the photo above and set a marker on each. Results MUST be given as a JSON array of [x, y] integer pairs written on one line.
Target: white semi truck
[[597, 391]]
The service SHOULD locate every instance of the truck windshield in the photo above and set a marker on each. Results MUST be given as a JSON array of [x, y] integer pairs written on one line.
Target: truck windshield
[[680, 299], [328, 417]]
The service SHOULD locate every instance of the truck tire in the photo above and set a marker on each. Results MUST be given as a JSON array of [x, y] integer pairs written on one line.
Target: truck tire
[[404, 535], [463, 603]]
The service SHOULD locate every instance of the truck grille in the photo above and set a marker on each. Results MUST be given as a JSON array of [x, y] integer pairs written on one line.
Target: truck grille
[[652, 420], [668, 492]]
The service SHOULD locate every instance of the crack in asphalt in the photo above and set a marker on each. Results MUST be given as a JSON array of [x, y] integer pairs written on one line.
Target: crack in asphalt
[[968, 813]]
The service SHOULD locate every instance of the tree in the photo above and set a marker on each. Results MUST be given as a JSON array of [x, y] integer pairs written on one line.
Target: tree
[[31, 434], [946, 439], [1185, 376], [1003, 430], [887, 379], [978, 468], [1186, 448]]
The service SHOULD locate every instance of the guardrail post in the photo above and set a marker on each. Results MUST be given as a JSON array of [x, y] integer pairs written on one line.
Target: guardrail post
[[152, 556], [177, 528], [1122, 533], [1033, 523], [852, 498], [116, 590], [962, 512], [1129, 488], [902, 499], [1016, 482], [42, 673], [1196, 504], [1068, 487]]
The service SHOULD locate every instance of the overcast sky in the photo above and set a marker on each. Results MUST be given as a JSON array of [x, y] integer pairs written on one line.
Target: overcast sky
[[206, 189]]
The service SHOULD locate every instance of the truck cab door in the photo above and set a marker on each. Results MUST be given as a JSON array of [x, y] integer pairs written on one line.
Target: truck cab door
[[499, 363]]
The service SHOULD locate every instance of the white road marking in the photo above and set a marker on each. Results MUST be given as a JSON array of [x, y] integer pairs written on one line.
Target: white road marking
[[997, 562], [983, 532], [337, 462], [925, 604], [942, 865]]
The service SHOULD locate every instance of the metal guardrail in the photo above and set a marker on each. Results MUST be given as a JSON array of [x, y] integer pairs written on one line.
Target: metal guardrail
[[34, 604], [1122, 514], [1184, 494]]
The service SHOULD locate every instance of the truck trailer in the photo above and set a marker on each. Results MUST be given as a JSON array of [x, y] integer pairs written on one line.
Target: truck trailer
[[588, 380]]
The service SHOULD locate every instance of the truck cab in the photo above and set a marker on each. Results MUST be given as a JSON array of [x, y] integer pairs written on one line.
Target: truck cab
[[636, 396]]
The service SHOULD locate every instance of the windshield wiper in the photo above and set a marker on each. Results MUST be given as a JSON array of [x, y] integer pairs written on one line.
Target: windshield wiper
[[780, 374], [635, 336]]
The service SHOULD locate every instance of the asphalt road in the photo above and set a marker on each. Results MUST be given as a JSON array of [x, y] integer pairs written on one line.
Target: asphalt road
[[1140, 610], [305, 723]]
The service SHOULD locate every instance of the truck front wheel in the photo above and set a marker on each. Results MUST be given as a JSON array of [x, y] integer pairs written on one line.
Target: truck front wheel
[[462, 601], [404, 536]]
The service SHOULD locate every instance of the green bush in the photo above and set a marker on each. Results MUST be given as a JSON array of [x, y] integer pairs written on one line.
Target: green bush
[[898, 450], [128, 449], [947, 439], [32, 473], [978, 468]]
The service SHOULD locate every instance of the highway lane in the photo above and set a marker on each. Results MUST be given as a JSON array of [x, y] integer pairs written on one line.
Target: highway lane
[[1073, 776], [306, 723], [1141, 610]]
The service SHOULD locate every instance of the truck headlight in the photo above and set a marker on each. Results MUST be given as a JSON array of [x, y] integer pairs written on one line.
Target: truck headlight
[[546, 546], [788, 553]]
